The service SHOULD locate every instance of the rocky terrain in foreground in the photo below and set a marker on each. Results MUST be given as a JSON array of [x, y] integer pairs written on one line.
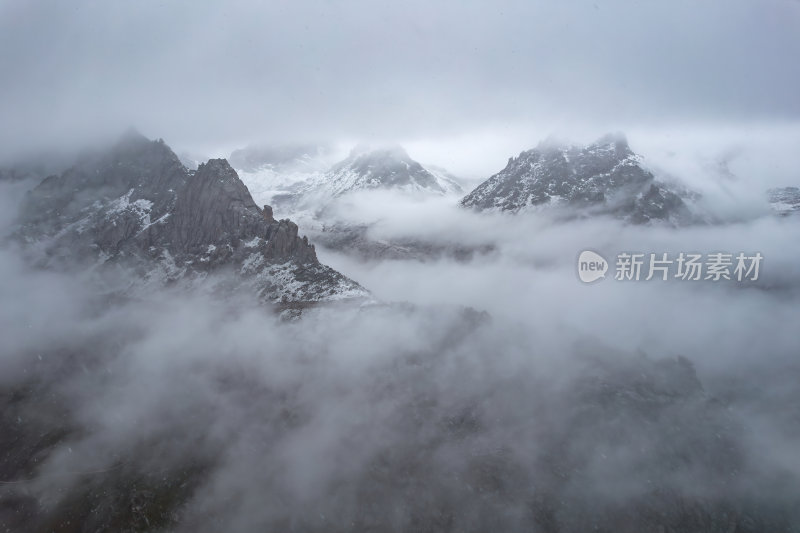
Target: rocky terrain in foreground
[[628, 445]]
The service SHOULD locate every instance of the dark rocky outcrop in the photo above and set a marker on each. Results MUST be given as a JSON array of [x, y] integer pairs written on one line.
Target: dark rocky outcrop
[[137, 205]]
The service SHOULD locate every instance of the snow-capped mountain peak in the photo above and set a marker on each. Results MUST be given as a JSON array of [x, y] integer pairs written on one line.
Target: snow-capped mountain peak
[[388, 167], [366, 168], [605, 177]]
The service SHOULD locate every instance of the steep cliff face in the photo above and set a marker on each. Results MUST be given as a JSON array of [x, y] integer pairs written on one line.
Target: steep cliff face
[[138, 206], [604, 178]]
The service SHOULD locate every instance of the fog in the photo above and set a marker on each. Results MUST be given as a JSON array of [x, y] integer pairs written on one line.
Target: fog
[[531, 274], [489, 393], [212, 76], [478, 399]]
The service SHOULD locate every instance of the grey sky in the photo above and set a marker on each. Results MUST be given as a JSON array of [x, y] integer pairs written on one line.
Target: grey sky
[[205, 74]]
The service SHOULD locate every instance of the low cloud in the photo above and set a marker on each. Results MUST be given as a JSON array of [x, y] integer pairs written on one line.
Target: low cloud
[[503, 388]]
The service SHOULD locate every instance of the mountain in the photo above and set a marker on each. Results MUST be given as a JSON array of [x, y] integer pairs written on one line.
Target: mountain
[[137, 206], [386, 168], [605, 177], [389, 168], [317, 203], [785, 200], [273, 169]]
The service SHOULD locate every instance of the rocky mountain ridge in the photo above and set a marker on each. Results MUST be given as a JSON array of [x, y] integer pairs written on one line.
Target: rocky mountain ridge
[[138, 206], [603, 178]]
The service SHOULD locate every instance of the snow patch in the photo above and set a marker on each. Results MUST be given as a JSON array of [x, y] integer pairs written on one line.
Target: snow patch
[[253, 261], [140, 207]]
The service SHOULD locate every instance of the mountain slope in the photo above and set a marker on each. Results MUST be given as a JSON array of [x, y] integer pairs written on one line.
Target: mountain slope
[[137, 206], [318, 203], [275, 169], [366, 169], [605, 177], [386, 168]]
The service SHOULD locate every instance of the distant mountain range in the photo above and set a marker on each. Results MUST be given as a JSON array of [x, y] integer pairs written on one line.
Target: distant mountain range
[[137, 206], [605, 178]]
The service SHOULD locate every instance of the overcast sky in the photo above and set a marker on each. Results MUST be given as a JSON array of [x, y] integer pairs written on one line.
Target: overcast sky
[[208, 74]]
